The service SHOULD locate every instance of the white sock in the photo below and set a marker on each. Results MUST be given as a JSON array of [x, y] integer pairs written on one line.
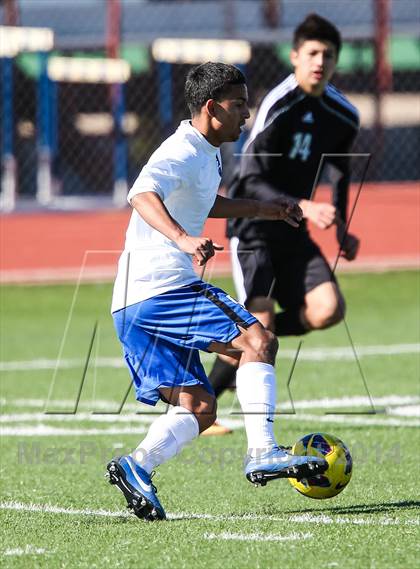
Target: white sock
[[165, 438], [256, 390]]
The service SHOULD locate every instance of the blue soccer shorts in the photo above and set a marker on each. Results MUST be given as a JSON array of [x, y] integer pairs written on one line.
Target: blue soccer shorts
[[162, 336]]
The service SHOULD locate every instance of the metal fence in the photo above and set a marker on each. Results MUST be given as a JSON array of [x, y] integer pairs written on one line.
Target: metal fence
[[90, 139]]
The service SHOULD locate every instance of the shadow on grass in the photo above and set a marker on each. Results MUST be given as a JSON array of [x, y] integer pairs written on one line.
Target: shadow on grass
[[384, 507]]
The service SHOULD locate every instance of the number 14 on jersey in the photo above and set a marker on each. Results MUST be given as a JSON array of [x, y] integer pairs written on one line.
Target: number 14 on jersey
[[301, 146]]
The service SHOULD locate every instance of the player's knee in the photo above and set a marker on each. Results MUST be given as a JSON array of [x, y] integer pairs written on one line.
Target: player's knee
[[262, 346], [328, 313], [206, 412]]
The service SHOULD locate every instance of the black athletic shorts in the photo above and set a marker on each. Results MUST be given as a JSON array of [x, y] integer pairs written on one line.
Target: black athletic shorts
[[285, 274]]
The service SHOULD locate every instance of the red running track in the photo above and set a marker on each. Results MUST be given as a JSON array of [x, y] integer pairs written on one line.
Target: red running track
[[54, 247]]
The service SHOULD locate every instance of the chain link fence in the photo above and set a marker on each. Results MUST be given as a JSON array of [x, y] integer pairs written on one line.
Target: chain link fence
[[97, 133]]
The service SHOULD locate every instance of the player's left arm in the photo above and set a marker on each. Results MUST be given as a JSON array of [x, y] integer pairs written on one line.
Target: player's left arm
[[280, 209], [340, 174]]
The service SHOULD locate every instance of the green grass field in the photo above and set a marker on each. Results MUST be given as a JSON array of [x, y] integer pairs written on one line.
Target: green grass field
[[58, 511]]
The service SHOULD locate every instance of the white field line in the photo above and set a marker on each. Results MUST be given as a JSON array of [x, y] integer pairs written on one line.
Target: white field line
[[320, 519], [346, 353], [112, 406], [12, 423], [28, 550], [92, 405], [324, 519], [133, 419], [47, 431], [49, 509], [352, 401], [353, 420], [227, 536], [46, 364], [76, 418], [404, 411], [311, 354], [407, 406]]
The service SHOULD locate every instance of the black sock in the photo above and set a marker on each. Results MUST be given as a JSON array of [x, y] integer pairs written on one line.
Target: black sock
[[288, 323], [221, 375]]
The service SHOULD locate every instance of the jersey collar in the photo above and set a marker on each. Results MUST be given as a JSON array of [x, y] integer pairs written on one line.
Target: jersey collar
[[204, 143]]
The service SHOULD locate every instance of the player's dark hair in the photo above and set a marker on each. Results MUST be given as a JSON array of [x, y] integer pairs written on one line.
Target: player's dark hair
[[210, 81], [315, 27]]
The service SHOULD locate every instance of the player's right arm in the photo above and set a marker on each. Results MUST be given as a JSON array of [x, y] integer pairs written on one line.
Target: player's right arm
[[151, 208]]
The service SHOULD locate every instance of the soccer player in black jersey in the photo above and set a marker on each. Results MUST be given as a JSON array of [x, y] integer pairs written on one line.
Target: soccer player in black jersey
[[300, 125]]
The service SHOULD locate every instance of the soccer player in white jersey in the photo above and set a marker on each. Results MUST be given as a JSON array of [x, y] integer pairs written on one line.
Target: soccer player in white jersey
[[164, 314]]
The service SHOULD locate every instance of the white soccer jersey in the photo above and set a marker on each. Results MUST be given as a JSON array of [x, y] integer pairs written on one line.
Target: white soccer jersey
[[185, 172]]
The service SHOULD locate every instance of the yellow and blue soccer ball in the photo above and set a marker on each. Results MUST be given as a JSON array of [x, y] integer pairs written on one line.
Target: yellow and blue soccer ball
[[338, 474]]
